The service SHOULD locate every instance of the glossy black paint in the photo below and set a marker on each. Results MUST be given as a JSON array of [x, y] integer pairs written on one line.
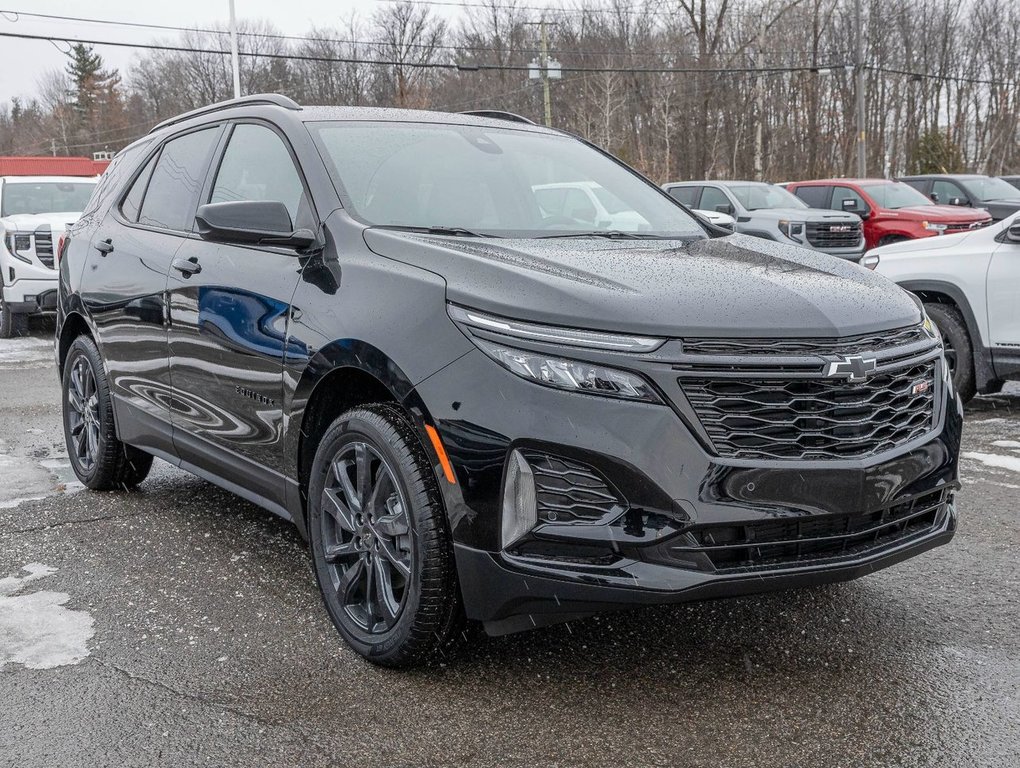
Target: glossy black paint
[[228, 370]]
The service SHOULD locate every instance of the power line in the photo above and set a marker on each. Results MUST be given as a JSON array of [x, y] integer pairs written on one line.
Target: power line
[[452, 66]]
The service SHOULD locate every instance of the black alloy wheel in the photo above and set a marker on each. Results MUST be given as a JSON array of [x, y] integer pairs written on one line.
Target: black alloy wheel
[[366, 537], [100, 460], [380, 542]]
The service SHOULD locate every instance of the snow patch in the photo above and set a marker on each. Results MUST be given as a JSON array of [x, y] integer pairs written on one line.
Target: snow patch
[[36, 629], [27, 352], [1006, 443], [995, 460]]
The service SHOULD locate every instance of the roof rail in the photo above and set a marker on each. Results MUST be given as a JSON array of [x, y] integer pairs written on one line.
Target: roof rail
[[274, 99], [498, 114]]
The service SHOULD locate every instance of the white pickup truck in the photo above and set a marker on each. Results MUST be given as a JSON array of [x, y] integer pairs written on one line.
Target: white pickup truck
[[34, 212], [970, 286]]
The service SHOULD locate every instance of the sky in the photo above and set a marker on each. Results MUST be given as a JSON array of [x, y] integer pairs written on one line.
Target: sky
[[23, 62]]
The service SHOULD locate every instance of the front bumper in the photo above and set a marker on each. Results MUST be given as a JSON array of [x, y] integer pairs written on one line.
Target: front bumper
[[670, 489], [32, 296]]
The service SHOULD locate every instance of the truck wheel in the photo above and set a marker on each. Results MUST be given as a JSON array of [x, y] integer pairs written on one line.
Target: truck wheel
[[958, 347], [99, 459], [12, 324], [380, 548]]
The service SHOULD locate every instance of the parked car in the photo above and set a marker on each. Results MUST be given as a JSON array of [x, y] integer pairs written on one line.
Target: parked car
[[1013, 180], [723, 220], [970, 286], [772, 213], [34, 212], [892, 211], [364, 321], [998, 197], [587, 203]]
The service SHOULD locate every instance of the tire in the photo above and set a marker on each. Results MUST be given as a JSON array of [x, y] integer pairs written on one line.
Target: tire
[[12, 324], [959, 350], [99, 459], [384, 567]]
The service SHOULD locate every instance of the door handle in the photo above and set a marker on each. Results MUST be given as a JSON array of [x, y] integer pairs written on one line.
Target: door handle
[[105, 246], [187, 267]]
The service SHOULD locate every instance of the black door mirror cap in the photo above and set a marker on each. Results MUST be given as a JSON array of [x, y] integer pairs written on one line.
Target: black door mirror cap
[[250, 221]]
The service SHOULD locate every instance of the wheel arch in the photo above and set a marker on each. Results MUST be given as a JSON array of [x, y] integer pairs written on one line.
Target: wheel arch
[[940, 292], [342, 375], [74, 325]]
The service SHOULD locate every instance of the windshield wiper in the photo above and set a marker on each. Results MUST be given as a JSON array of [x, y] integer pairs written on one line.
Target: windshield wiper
[[439, 230], [610, 234]]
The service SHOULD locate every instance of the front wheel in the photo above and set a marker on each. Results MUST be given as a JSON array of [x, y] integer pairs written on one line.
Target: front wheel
[[12, 324], [959, 351], [99, 459], [381, 551]]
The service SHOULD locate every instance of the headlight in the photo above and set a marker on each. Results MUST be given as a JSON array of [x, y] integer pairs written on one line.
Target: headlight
[[933, 227], [17, 243], [792, 229], [561, 373]]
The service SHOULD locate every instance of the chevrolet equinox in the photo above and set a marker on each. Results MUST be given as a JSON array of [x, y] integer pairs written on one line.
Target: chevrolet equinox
[[479, 403]]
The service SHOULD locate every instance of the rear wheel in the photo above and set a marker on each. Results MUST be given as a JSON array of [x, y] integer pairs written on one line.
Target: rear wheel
[[12, 324], [99, 459], [381, 551], [958, 348]]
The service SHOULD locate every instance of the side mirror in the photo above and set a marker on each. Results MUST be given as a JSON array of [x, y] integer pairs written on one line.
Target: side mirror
[[251, 221], [958, 201], [1013, 233], [934, 197], [724, 208]]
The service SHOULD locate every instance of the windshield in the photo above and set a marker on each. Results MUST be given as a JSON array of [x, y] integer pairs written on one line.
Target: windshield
[[755, 197], [895, 194], [491, 181], [992, 189], [45, 197]]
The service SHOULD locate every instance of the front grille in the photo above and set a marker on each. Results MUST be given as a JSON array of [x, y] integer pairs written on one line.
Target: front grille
[[44, 248], [814, 418], [842, 234], [796, 541], [965, 226], [849, 345], [570, 492]]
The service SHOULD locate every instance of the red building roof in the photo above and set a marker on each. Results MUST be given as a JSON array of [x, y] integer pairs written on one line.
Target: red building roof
[[51, 166]]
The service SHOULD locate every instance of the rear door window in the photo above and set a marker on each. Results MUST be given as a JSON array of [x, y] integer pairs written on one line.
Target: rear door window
[[815, 197], [686, 195], [172, 194]]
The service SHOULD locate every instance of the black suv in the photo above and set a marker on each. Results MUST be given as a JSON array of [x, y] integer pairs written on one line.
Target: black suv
[[364, 321], [995, 195]]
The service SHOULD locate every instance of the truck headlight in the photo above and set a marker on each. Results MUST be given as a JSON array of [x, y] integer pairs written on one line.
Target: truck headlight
[[933, 227], [792, 229], [16, 243]]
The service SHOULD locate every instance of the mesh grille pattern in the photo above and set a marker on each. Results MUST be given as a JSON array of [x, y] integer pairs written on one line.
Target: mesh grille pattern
[[813, 418], [568, 491]]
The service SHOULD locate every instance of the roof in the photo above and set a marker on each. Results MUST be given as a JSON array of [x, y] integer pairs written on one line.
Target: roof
[[49, 179], [51, 166], [843, 181]]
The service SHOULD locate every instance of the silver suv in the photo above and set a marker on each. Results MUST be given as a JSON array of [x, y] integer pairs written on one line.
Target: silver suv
[[770, 212]]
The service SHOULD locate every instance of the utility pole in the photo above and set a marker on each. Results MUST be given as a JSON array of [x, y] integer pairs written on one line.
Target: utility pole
[[235, 59], [545, 69], [862, 157], [53, 147], [759, 131]]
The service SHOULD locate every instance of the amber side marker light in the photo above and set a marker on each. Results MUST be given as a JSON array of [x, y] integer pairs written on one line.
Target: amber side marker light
[[444, 461]]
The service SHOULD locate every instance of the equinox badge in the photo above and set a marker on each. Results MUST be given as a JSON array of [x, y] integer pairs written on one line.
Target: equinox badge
[[853, 367]]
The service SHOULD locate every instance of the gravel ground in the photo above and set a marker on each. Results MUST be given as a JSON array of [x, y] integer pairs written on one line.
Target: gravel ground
[[192, 634]]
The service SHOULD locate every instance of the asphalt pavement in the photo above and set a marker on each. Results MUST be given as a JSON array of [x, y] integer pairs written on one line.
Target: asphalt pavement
[[178, 625]]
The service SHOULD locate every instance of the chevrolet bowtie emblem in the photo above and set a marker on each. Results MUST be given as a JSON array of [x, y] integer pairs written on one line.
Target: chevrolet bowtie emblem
[[853, 367]]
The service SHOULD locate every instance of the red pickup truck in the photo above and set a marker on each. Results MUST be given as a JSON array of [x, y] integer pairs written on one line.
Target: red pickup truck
[[891, 210]]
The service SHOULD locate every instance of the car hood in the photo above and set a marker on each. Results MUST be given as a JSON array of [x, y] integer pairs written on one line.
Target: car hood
[[30, 222], [730, 286], [939, 213], [803, 214]]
